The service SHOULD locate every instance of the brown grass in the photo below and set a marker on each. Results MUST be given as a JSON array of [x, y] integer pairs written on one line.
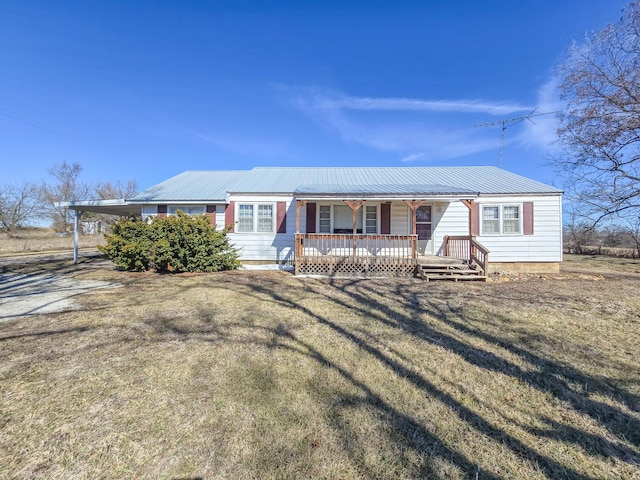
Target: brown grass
[[267, 375], [43, 240]]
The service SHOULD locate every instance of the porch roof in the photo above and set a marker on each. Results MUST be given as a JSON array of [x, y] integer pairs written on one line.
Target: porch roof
[[382, 190]]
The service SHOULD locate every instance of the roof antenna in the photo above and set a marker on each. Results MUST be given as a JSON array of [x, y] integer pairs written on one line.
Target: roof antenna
[[509, 121]]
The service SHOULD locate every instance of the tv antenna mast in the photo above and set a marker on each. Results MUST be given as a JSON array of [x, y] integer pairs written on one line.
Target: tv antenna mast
[[508, 121]]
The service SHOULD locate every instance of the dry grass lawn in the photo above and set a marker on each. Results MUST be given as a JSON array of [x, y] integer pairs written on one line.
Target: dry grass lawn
[[266, 375], [43, 240]]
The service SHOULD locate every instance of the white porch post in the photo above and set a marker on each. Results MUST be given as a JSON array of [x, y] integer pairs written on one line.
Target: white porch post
[[76, 227]]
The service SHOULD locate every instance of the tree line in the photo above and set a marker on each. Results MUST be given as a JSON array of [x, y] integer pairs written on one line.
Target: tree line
[[24, 204]]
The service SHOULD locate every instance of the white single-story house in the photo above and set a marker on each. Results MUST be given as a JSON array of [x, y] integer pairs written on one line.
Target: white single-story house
[[344, 219]]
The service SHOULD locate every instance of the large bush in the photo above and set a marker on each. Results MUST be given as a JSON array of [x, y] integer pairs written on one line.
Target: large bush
[[179, 243]]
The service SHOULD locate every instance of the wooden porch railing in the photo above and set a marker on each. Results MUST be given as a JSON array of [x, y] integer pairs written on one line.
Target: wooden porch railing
[[322, 245], [467, 248]]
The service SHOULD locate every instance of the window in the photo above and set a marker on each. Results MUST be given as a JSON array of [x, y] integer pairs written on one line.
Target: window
[[510, 219], [339, 219], [188, 209], [490, 220], [423, 222], [325, 219], [265, 218], [501, 219], [253, 217], [245, 218], [371, 219]]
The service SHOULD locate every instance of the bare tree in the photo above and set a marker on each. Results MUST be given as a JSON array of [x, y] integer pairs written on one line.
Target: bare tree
[[108, 190], [600, 128], [631, 227], [67, 187], [20, 205]]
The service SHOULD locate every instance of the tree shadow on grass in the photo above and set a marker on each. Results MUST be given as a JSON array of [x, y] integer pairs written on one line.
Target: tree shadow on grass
[[415, 437], [551, 376]]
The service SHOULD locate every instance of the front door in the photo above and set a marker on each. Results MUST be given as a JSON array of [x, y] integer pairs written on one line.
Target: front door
[[423, 229]]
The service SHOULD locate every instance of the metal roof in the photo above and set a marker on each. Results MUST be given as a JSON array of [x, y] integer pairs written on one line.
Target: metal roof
[[481, 180], [384, 189], [192, 185], [216, 185]]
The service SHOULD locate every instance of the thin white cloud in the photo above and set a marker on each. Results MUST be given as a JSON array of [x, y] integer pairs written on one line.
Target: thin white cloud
[[540, 130], [241, 146], [412, 104], [423, 140], [413, 157]]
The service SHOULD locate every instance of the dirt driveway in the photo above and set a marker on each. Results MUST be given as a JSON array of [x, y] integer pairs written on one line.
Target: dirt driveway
[[33, 292]]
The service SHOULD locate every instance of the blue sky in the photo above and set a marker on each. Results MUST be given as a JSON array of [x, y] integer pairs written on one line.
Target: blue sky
[[146, 90]]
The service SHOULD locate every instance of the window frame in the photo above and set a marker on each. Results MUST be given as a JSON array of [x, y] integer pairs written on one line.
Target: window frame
[[501, 219], [172, 209], [363, 217], [255, 217]]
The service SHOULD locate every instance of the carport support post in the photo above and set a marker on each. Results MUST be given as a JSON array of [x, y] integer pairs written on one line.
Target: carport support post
[[76, 227]]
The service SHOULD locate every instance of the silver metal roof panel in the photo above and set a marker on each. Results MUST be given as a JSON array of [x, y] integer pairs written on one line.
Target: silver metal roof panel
[[192, 185], [215, 185]]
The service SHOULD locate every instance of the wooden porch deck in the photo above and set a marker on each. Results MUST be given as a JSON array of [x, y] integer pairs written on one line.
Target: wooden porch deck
[[387, 255]]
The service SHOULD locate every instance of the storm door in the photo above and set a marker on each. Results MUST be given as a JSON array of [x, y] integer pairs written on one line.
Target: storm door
[[423, 229]]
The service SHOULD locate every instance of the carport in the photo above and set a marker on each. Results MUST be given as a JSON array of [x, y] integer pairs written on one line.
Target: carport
[[122, 208]]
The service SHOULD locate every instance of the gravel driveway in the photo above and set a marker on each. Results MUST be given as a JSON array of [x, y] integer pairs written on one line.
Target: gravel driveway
[[24, 294]]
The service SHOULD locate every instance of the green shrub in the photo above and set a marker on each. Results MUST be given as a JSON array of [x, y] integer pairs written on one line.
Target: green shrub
[[179, 243]]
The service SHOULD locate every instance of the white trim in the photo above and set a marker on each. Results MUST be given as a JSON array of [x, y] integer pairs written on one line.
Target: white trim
[[256, 207], [500, 219], [362, 211]]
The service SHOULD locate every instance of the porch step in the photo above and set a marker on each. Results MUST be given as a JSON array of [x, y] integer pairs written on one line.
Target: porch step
[[450, 271], [454, 277]]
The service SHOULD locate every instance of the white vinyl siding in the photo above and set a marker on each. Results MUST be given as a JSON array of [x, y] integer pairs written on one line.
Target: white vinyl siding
[[448, 218], [264, 246], [545, 245]]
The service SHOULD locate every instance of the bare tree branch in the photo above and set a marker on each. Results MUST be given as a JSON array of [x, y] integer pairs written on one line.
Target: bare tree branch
[[20, 205], [600, 130]]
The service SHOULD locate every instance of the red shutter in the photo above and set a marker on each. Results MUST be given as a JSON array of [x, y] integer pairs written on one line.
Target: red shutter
[[211, 213], [229, 215], [311, 218], [527, 218], [385, 218], [281, 217], [162, 210], [475, 228]]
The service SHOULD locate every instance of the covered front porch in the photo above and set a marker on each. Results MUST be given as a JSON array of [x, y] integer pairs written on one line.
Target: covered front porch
[[370, 247]]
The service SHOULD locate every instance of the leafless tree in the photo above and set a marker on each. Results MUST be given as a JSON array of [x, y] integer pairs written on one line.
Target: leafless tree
[[600, 129], [67, 187], [111, 191], [108, 190], [20, 205], [631, 227]]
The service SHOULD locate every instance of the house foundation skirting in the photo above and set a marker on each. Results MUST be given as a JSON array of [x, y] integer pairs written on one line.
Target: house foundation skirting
[[524, 267], [360, 266]]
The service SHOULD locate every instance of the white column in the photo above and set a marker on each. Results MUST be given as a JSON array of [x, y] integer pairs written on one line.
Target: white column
[[76, 227]]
